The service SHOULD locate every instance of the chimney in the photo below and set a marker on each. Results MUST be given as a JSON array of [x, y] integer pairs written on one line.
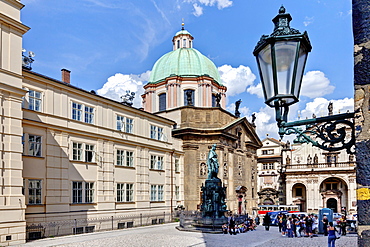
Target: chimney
[[66, 76]]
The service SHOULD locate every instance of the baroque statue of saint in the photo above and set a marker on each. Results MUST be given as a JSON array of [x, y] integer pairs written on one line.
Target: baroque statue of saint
[[212, 163]]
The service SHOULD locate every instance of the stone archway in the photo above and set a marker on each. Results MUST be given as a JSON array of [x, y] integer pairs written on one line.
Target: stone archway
[[299, 195], [334, 193]]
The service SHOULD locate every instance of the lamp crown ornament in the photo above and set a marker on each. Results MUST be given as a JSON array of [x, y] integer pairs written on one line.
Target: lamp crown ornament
[[281, 59]]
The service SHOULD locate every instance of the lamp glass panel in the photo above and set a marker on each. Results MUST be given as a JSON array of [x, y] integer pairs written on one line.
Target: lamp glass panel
[[265, 66], [300, 68], [285, 52]]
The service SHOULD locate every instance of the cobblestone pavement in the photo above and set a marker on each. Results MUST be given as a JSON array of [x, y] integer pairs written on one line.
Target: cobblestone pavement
[[167, 235]]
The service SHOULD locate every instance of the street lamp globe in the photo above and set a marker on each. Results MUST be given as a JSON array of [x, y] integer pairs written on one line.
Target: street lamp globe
[[281, 58]]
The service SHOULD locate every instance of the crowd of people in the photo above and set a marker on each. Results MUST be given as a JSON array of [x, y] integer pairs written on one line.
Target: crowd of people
[[236, 225]]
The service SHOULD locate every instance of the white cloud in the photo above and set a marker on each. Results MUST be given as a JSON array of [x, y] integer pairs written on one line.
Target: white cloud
[[266, 124], [315, 84], [319, 106], [198, 10], [236, 79], [308, 21], [244, 111], [257, 90], [117, 85]]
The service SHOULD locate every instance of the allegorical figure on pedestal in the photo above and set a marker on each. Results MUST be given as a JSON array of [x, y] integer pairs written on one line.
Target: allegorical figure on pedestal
[[212, 163]]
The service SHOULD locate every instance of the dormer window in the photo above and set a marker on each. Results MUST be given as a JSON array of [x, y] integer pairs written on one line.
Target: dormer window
[[184, 43]]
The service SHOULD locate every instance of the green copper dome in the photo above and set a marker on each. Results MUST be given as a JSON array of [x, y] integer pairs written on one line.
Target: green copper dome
[[184, 62]]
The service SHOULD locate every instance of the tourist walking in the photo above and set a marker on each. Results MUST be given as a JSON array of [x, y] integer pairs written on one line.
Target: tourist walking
[[325, 221], [331, 235], [289, 227], [343, 225], [257, 220], [267, 221]]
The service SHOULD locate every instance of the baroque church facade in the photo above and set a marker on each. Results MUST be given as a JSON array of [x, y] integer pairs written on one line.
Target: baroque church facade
[[70, 155], [185, 86]]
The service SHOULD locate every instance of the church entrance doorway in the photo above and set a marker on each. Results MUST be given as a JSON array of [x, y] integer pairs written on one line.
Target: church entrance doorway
[[332, 204]]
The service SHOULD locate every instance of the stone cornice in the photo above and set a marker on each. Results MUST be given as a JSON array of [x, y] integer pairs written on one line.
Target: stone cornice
[[15, 3], [4, 19]]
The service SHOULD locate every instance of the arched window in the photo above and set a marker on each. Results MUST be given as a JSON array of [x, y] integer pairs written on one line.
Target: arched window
[[184, 43], [213, 100], [189, 97], [189, 43], [178, 44], [162, 102]]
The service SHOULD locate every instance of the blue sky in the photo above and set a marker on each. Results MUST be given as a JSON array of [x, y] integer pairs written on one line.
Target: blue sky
[[111, 46]]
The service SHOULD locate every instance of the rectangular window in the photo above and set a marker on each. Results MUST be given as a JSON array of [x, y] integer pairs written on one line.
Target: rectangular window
[[177, 192], [129, 125], [82, 192], [120, 122], [162, 102], [160, 192], [34, 145], [153, 132], [271, 166], [34, 191], [298, 192], [153, 161], [77, 151], [129, 158], [156, 162], [76, 111], [89, 192], [34, 100], [120, 192], [89, 115], [160, 134], [129, 192], [153, 193], [160, 163], [120, 157], [177, 165], [89, 153], [76, 192], [125, 124]]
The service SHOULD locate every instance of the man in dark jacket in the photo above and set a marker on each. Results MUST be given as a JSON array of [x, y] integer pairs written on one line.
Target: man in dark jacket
[[267, 221]]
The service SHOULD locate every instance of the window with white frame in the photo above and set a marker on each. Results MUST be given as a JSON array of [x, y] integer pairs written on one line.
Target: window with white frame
[[76, 111], [156, 133], [124, 124], [34, 191], [82, 192], [89, 192], [34, 100], [82, 113], [153, 193], [156, 193], [89, 114], [160, 192], [129, 192], [77, 192], [125, 158], [125, 192], [77, 151], [177, 192], [89, 153], [34, 145], [83, 152], [268, 152], [156, 162], [120, 158], [268, 166]]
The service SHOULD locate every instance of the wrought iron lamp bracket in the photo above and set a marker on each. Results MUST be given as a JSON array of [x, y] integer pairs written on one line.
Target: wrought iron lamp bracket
[[331, 133]]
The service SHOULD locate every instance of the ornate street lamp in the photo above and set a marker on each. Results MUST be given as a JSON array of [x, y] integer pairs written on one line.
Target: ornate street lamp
[[281, 58]]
